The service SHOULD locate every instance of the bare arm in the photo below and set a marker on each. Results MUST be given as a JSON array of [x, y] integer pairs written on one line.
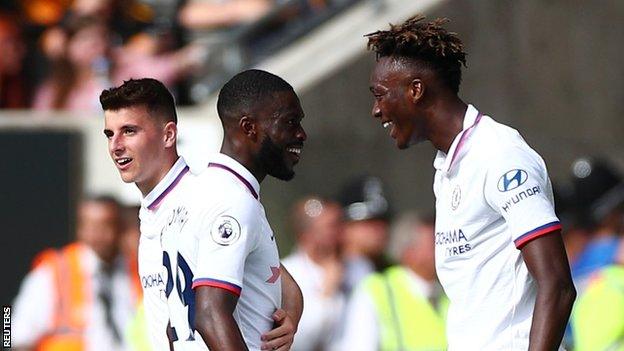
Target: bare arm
[[214, 320], [547, 262], [286, 318], [292, 298]]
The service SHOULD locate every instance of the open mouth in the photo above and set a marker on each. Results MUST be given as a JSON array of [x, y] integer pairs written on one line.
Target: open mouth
[[295, 152], [390, 127], [123, 162]]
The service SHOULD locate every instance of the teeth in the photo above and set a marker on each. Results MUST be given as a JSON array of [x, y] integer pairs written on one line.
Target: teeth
[[123, 161], [294, 150], [387, 124]]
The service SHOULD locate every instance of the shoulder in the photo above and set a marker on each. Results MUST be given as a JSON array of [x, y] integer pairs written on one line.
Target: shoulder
[[215, 188], [504, 147]]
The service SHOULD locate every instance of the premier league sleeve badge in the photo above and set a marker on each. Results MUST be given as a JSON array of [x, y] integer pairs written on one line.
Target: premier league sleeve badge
[[226, 230]]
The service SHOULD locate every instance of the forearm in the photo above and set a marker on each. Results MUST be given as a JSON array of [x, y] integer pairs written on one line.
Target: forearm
[[215, 322], [552, 309], [220, 333], [292, 298]]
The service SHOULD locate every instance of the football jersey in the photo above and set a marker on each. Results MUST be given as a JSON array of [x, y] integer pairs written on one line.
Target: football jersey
[[217, 235], [493, 195], [156, 209]]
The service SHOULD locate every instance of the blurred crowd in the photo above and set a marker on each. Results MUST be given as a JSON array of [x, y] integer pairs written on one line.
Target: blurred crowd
[[60, 54], [366, 271]]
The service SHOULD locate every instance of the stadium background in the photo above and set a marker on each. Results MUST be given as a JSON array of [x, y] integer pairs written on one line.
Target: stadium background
[[551, 69]]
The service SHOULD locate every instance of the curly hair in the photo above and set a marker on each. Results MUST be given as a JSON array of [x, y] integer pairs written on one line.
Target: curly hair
[[427, 42]]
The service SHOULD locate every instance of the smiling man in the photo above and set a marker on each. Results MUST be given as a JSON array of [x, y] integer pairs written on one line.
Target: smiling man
[[208, 260], [499, 253]]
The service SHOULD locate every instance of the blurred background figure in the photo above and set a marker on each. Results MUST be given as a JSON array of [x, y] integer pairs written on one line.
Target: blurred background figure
[[211, 14], [365, 232], [89, 293], [317, 268], [576, 232], [599, 197], [80, 70], [13, 87], [401, 308], [598, 316], [136, 330], [84, 62]]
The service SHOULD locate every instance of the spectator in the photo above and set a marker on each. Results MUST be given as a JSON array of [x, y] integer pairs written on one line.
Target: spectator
[[576, 234], [599, 192], [317, 268], [401, 308], [89, 64], [12, 81], [598, 316], [142, 56], [81, 72], [89, 294], [365, 232], [136, 330], [211, 14]]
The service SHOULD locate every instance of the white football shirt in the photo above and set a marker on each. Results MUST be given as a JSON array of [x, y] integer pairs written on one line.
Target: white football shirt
[[155, 273], [493, 195], [217, 234]]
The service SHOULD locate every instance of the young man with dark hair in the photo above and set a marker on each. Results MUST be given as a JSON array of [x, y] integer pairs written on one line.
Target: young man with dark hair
[[499, 253], [191, 232]]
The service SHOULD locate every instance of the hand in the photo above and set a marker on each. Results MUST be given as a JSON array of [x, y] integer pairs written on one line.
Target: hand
[[282, 336]]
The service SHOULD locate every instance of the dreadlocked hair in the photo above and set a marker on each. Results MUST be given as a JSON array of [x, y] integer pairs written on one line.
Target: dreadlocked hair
[[428, 42]]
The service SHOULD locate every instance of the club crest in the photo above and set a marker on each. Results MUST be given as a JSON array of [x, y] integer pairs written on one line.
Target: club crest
[[456, 198]]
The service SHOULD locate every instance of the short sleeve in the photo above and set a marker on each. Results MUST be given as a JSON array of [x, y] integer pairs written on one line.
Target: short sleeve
[[517, 186], [226, 237]]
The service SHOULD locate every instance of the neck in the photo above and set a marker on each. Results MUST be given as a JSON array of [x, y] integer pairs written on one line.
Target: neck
[[447, 116], [317, 254], [239, 151], [147, 186]]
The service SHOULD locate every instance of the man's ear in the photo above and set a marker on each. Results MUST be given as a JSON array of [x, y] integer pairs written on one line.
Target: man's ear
[[171, 134], [416, 89], [248, 126]]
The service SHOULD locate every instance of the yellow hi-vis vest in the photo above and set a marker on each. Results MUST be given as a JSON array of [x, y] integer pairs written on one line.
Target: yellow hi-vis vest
[[598, 316], [407, 322]]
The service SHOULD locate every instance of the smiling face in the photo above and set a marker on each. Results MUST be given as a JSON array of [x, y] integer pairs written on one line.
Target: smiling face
[[139, 145], [396, 94], [281, 134]]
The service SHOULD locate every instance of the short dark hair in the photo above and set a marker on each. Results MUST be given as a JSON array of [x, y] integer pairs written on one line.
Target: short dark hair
[[246, 89], [427, 42], [148, 92]]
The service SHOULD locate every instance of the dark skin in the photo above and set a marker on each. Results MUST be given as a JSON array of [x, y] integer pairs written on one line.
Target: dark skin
[[278, 118], [547, 262], [420, 107]]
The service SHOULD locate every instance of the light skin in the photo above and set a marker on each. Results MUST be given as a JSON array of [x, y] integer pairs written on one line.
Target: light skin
[[143, 148], [99, 228], [419, 106], [277, 118], [418, 255], [318, 237]]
